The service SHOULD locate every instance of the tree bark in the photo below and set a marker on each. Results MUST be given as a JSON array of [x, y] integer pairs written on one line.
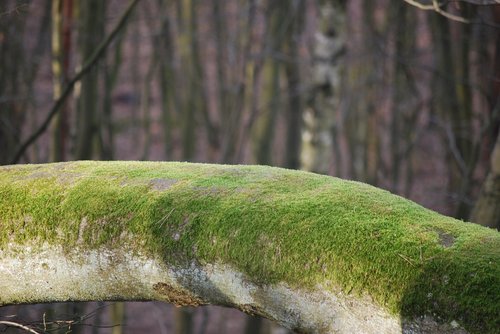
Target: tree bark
[[313, 253]]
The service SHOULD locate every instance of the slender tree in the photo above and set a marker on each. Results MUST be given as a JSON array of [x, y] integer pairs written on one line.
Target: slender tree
[[359, 130], [324, 93], [265, 129], [91, 18], [62, 17], [12, 61], [296, 11], [487, 209]]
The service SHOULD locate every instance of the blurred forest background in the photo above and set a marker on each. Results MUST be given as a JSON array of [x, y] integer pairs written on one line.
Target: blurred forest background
[[380, 91]]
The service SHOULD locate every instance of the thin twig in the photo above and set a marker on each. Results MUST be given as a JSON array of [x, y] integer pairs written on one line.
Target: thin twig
[[419, 5], [18, 325], [69, 88], [450, 136], [407, 259], [15, 10], [481, 2], [60, 324], [436, 6]]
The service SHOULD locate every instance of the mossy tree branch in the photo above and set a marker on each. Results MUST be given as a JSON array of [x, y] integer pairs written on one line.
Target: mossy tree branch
[[314, 253]]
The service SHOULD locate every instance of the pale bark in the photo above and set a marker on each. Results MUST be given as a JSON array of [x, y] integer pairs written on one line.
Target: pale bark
[[50, 274], [63, 257], [323, 100]]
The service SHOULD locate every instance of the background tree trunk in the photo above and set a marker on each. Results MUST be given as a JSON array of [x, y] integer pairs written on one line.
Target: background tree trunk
[[11, 64], [487, 209], [294, 116], [324, 96], [62, 18], [91, 14]]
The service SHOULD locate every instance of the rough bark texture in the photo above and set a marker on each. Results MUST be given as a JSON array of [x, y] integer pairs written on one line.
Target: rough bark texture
[[314, 253]]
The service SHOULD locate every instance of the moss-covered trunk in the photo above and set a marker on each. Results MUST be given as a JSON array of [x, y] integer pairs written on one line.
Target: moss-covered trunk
[[314, 253]]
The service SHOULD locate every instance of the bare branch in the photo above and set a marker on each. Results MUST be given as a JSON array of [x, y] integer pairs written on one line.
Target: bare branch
[[472, 2], [69, 88], [436, 6], [18, 325], [15, 10], [419, 5], [481, 2], [450, 136], [437, 9]]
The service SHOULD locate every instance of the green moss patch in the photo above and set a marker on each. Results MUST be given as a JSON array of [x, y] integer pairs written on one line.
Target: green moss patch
[[275, 225]]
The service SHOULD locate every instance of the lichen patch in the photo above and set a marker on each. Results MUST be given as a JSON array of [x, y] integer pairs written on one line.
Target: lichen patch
[[445, 239], [162, 184]]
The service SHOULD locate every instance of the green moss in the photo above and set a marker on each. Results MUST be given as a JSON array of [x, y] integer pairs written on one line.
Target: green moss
[[273, 224]]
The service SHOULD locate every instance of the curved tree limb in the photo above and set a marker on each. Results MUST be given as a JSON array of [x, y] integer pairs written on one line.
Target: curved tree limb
[[98, 53], [315, 253]]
